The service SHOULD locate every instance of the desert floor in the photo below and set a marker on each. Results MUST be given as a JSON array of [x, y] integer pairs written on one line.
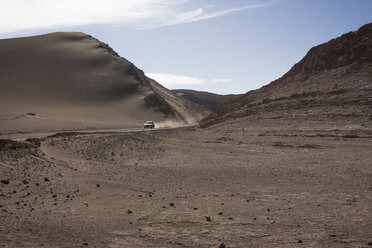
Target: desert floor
[[188, 187]]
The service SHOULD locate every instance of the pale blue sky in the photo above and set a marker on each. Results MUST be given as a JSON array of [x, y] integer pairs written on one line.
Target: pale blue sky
[[222, 46]]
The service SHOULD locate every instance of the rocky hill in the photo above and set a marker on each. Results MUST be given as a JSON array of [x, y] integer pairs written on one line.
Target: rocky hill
[[64, 81], [331, 85], [208, 100]]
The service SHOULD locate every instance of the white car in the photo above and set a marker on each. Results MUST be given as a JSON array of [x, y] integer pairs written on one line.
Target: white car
[[149, 125]]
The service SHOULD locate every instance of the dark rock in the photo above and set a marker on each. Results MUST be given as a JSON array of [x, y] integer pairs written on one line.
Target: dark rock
[[369, 243], [171, 204], [222, 246], [5, 181], [25, 181], [220, 213], [98, 185], [85, 243], [208, 218], [130, 212], [195, 208], [299, 241], [46, 179]]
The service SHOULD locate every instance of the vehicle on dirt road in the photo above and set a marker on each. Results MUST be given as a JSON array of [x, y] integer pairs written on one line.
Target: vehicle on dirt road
[[149, 125]]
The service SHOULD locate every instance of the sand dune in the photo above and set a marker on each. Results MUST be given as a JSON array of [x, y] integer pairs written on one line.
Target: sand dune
[[64, 81]]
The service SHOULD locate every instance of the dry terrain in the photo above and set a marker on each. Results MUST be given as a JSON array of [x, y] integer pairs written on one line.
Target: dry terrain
[[72, 81], [287, 165], [244, 186]]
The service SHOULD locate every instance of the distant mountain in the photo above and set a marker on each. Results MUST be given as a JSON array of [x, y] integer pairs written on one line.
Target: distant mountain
[[206, 99], [71, 80], [332, 83]]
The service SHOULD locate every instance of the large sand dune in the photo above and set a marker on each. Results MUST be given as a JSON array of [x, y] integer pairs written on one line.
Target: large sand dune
[[65, 81]]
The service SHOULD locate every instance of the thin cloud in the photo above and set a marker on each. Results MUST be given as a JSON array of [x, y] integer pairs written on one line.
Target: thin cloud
[[199, 15], [171, 80], [26, 15]]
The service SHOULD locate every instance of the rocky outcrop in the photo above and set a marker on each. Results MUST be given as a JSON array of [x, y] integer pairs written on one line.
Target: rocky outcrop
[[332, 82]]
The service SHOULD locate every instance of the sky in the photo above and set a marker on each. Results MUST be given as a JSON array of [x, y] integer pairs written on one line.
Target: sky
[[220, 46]]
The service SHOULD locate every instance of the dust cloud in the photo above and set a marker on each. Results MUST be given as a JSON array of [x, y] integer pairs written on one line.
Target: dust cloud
[[170, 124]]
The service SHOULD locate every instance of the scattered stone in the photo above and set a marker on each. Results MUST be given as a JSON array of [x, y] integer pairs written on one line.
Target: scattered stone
[[46, 179], [231, 218], [299, 241], [25, 181], [54, 196], [369, 243], [98, 185], [85, 243], [139, 195], [220, 213], [222, 246], [5, 181], [130, 212], [171, 204], [195, 208], [86, 204], [268, 210], [208, 218]]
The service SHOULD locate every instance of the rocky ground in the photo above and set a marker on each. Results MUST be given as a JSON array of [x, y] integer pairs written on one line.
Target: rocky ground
[[230, 186]]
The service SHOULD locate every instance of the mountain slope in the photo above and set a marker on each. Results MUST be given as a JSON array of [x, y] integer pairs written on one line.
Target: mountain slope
[[63, 81], [332, 83], [206, 99]]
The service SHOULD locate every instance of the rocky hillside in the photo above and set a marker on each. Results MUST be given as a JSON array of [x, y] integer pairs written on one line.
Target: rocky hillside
[[332, 83], [64, 81], [208, 100]]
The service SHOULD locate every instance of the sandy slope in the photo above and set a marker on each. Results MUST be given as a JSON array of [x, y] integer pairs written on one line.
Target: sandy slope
[[260, 187], [65, 81]]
